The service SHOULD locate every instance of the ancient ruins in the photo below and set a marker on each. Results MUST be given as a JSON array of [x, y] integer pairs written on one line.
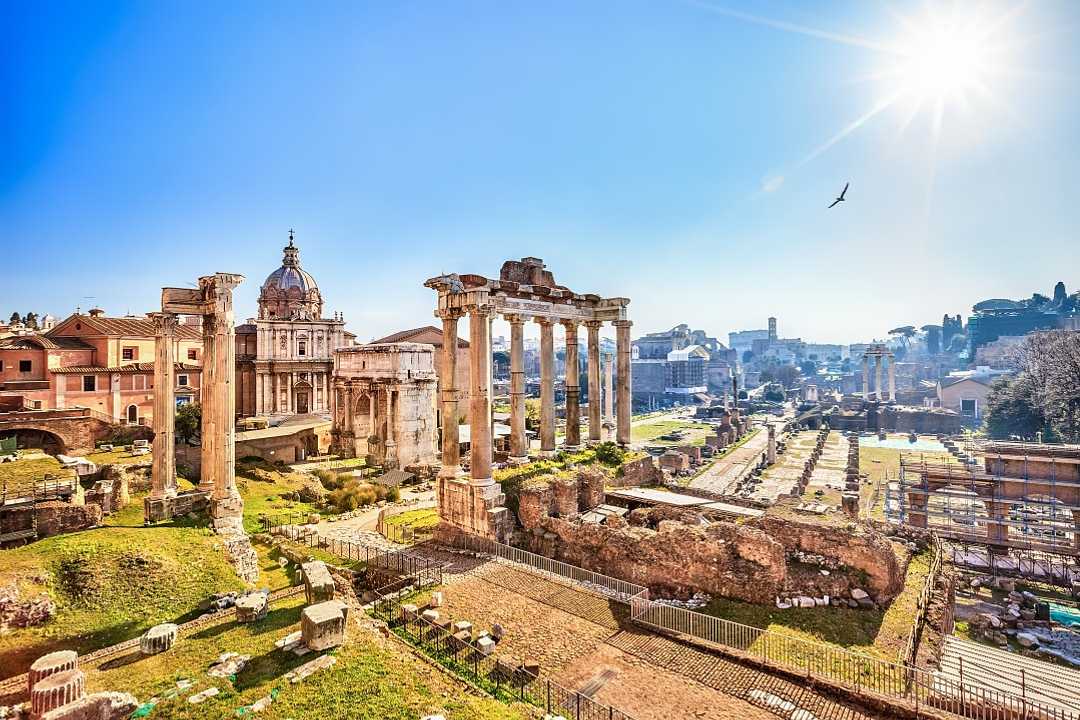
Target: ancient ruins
[[524, 291], [212, 300], [384, 404]]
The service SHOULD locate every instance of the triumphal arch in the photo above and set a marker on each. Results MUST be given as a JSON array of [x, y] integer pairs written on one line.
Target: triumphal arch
[[524, 292]]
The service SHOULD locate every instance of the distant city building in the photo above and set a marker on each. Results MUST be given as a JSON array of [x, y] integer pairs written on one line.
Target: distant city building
[[965, 391], [743, 340], [992, 319], [680, 366]]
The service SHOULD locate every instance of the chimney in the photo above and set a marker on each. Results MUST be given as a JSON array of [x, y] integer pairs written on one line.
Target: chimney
[[96, 312]]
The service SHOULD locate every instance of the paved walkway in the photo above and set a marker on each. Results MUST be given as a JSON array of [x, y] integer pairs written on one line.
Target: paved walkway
[[588, 643], [720, 477]]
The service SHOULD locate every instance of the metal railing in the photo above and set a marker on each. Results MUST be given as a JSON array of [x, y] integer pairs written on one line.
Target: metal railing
[[922, 604], [47, 487], [614, 588]]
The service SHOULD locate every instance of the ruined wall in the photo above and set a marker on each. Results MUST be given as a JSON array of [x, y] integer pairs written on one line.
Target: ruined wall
[[723, 559], [859, 553], [638, 473], [54, 517]]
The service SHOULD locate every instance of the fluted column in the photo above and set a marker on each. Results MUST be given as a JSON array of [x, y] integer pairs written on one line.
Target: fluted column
[[573, 387], [878, 394], [209, 398], [609, 390], [595, 422], [479, 400], [163, 471], [622, 351], [547, 385], [451, 449], [519, 449]]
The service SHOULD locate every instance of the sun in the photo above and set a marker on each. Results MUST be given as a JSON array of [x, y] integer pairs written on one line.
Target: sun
[[945, 61]]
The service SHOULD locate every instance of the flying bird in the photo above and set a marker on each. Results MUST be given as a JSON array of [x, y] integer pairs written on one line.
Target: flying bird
[[841, 198]]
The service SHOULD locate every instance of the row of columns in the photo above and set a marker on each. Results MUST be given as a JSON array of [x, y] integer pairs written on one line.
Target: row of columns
[[879, 360], [218, 400], [480, 317], [268, 388]]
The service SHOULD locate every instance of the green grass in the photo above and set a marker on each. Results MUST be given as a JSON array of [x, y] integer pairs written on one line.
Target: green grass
[[111, 584], [266, 489], [27, 469], [428, 517], [117, 456], [882, 634], [650, 432], [880, 465], [371, 679]]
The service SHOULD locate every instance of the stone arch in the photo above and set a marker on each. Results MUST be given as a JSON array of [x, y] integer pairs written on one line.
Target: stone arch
[[31, 436]]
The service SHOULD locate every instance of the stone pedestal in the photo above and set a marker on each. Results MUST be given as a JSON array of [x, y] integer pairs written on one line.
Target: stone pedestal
[[472, 509], [322, 626], [318, 583], [252, 607]]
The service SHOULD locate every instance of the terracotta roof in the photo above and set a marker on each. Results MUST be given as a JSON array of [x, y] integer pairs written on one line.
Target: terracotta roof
[[27, 342], [429, 334], [126, 327], [132, 368]]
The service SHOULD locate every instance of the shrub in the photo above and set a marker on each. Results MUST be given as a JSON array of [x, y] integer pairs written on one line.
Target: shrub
[[393, 494], [610, 454]]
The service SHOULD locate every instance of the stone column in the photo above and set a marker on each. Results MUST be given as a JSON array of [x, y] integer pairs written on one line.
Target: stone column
[[391, 459], [208, 398], [878, 394], [771, 454], [291, 398], [865, 377], [595, 420], [609, 390], [892, 378], [547, 386], [451, 455], [573, 388], [519, 449], [163, 472], [479, 401], [997, 531], [622, 404]]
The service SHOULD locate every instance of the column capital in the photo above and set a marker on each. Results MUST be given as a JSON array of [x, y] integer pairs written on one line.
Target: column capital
[[484, 309], [570, 324], [543, 320], [515, 318], [164, 323], [623, 323], [449, 313], [594, 324]]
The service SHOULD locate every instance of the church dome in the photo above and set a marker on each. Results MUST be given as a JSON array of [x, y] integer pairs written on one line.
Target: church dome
[[290, 292]]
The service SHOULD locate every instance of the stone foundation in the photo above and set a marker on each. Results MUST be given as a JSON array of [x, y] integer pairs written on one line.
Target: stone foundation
[[166, 508], [55, 517], [472, 509], [638, 473]]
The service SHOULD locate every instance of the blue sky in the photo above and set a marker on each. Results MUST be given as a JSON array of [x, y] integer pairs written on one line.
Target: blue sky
[[662, 150]]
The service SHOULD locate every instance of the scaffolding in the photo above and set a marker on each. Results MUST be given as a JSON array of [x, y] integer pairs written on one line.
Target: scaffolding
[[997, 508]]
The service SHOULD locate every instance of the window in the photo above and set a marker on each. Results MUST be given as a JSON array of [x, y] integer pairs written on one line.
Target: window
[[37, 404], [129, 353], [26, 366], [967, 407], [301, 348], [89, 383], [181, 380], [133, 415], [192, 354]]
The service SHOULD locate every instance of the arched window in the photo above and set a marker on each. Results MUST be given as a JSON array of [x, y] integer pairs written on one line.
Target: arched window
[[133, 414]]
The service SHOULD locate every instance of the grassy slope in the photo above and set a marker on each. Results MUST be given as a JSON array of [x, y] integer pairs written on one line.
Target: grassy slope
[[369, 680], [649, 432], [428, 517], [265, 490], [882, 634], [881, 463], [27, 469]]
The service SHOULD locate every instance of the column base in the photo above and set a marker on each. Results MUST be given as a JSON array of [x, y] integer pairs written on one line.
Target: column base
[[451, 472], [572, 448], [473, 509], [518, 460]]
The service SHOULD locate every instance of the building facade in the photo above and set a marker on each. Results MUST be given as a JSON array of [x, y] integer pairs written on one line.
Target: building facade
[[285, 356], [98, 362]]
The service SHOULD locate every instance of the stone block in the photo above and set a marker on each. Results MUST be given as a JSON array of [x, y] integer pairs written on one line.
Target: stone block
[[462, 625], [485, 646], [322, 625], [251, 607], [408, 612], [98, 706], [430, 615], [460, 640], [51, 664], [318, 583], [57, 690], [437, 599], [158, 639]]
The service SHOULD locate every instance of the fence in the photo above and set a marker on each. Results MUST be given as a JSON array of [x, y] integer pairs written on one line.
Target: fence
[[423, 570], [502, 679], [923, 601], [48, 487], [405, 533], [616, 589]]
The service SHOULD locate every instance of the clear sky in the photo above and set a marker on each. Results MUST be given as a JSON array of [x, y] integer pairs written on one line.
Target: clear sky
[[678, 153]]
